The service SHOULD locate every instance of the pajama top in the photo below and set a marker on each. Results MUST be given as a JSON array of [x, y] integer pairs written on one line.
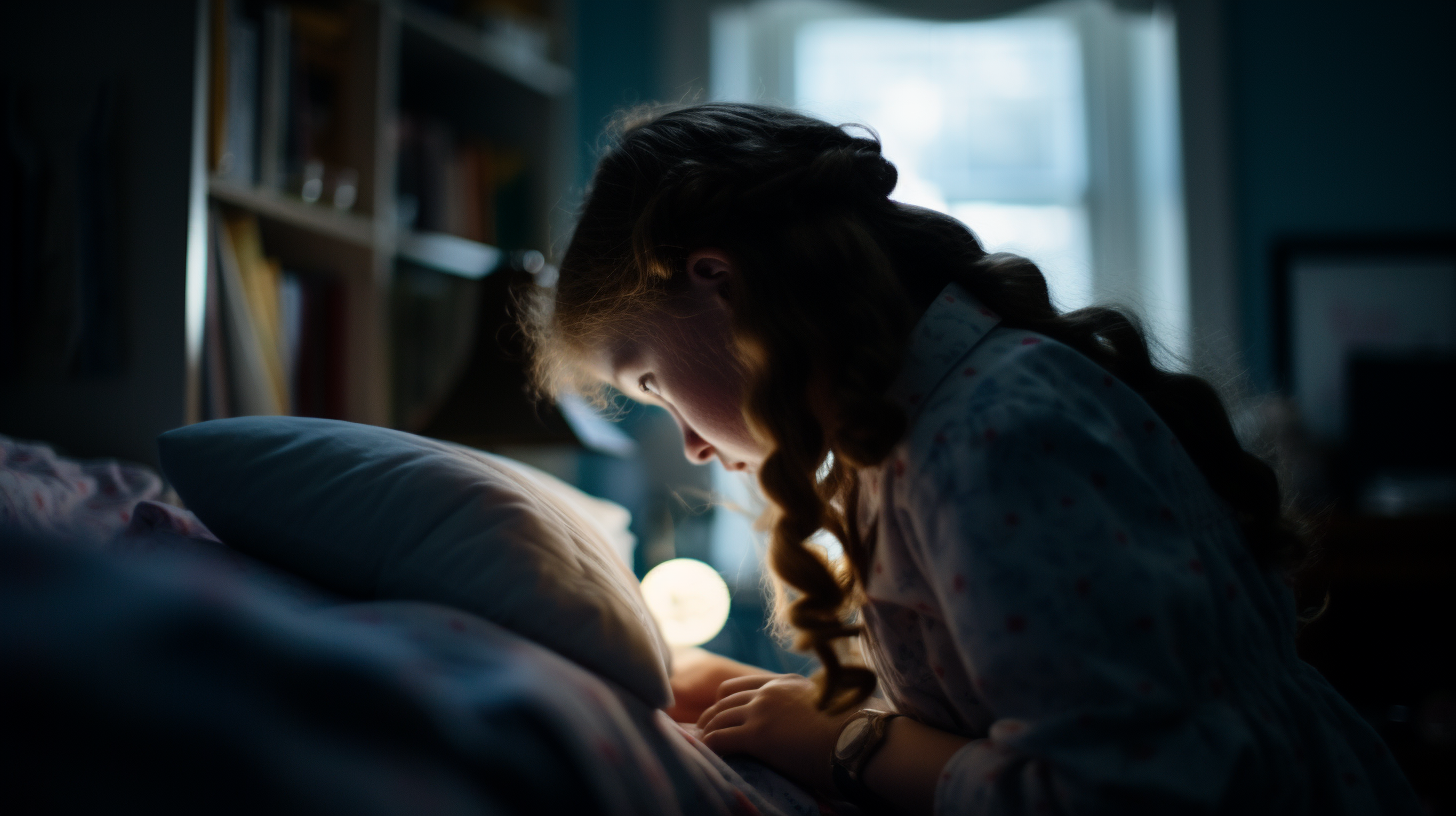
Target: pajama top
[[1053, 577]]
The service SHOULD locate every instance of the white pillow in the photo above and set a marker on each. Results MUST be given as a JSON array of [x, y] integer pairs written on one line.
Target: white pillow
[[376, 513], [612, 518]]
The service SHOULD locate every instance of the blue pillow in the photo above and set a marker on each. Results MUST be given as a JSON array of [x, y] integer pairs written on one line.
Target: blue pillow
[[381, 514]]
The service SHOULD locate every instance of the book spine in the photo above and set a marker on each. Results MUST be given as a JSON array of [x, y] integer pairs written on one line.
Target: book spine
[[216, 396], [252, 386], [240, 140], [261, 279], [218, 84], [290, 319]]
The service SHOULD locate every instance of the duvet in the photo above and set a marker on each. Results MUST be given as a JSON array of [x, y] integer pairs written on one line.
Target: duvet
[[147, 668]]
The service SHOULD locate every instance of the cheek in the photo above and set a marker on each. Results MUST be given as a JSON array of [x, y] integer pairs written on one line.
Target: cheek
[[714, 408], [718, 396], [707, 384]]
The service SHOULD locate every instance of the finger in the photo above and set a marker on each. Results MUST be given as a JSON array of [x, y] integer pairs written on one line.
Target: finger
[[731, 718], [745, 683], [729, 741], [732, 701]]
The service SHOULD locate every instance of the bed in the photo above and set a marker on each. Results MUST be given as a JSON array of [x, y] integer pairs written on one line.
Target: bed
[[312, 635]]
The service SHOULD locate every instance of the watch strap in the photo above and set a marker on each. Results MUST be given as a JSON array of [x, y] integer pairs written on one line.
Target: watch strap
[[848, 770]]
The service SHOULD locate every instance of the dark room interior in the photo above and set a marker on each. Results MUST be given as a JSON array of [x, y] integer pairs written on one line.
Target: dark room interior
[[213, 210]]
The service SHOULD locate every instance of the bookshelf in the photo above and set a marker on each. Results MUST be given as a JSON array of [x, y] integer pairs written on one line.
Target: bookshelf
[[308, 219], [397, 67], [148, 83]]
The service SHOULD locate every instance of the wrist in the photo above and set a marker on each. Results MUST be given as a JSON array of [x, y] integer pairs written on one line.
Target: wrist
[[860, 738], [821, 780], [911, 765]]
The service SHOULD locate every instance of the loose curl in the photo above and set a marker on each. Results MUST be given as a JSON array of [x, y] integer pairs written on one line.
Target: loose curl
[[831, 276]]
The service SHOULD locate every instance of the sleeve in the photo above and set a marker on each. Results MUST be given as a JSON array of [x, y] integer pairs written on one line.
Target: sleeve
[[1071, 592]]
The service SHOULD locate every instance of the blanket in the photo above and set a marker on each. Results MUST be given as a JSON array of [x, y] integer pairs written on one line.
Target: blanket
[[148, 668]]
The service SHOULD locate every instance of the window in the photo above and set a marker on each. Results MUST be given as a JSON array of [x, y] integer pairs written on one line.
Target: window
[[1052, 133]]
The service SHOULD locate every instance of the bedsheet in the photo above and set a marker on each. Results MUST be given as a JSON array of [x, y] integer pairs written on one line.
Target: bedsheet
[[171, 684]]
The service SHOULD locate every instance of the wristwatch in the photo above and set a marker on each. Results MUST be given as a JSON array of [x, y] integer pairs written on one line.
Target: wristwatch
[[859, 738]]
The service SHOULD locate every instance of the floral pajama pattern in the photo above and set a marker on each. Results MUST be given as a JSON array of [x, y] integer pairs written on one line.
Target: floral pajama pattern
[[1054, 578]]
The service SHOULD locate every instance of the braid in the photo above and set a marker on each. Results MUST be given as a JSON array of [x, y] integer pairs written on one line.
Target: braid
[[849, 364]]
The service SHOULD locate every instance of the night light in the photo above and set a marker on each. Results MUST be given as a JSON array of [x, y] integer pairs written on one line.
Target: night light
[[689, 600]]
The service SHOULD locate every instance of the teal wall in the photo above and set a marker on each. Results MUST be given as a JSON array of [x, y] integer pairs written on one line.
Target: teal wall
[[1342, 117], [1343, 124], [616, 65]]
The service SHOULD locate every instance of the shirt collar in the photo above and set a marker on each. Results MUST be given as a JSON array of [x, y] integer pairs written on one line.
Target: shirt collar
[[953, 324]]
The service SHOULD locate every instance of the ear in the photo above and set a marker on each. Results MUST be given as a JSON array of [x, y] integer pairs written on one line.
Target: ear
[[710, 271]]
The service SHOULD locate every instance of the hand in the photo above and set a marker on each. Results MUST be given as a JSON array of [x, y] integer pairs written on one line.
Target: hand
[[774, 718], [696, 675]]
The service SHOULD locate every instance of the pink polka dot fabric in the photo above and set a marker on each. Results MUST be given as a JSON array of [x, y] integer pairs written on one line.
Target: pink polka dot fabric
[[1054, 578], [44, 492]]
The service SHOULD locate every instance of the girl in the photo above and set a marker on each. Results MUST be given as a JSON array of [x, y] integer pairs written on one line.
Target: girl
[[1063, 570]]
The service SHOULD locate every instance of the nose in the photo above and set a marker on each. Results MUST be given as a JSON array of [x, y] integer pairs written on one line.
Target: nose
[[695, 448]]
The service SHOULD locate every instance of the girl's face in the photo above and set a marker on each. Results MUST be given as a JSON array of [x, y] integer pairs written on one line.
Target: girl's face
[[684, 363]]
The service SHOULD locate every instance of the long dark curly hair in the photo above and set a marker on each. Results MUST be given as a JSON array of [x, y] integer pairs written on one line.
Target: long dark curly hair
[[831, 276]]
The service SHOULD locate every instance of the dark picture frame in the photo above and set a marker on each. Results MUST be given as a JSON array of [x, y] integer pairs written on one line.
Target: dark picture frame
[[1336, 296]]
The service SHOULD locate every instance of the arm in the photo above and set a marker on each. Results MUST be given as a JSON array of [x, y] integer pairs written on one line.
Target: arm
[[774, 718], [1072, 594], [1089, 621], [908, 766]]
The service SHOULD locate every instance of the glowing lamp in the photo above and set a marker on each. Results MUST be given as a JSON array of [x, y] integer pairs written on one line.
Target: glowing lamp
[[689, 600]]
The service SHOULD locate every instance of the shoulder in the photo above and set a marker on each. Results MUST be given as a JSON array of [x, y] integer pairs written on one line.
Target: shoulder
[[1013, 384], [1020, 409], [1025, 420]]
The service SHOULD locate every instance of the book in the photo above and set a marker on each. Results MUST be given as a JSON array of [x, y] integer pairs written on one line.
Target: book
[[274, 341], [216, 395], [217, 83], [290, 319], [240, 116], [262, 280], [273, 82], [317, 80], [461, 186], [252, 388]]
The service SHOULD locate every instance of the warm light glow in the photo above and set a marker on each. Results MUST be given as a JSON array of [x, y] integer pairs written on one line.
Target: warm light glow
[[689, 600]]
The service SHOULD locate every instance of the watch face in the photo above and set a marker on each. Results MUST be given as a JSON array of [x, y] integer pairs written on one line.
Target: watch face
[[851, 735]]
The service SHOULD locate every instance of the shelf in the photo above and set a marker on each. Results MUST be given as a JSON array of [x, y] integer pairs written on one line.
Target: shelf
[[449, 253], [347, 227], [521, 66]]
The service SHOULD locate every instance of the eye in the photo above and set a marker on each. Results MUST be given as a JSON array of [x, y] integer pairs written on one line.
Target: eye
[[648, 384]]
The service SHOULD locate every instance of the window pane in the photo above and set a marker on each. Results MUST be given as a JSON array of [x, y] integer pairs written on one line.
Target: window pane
[[1055, 237], [983, 120], [982, 111]]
